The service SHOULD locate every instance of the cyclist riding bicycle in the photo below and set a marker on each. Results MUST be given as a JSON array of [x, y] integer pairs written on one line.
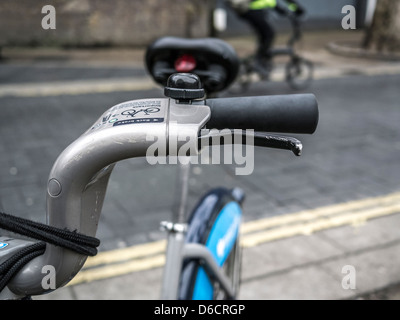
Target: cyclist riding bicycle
[[256, 13]]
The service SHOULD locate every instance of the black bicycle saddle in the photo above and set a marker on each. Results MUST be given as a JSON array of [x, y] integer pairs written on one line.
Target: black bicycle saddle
[[213, 60]]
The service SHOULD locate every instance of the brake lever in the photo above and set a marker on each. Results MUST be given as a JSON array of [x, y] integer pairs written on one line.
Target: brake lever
[[261, 139]]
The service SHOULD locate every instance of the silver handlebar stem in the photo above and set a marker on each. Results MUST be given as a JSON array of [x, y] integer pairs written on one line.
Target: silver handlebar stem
[[78, 180]]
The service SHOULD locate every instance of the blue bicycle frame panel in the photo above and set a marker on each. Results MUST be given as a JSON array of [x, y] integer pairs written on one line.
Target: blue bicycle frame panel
[[220, 243], [214, 223]]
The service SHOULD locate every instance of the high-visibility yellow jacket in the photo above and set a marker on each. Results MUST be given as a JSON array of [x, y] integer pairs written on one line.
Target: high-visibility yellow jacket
[[269, 4], [262, 4], [244, 5]]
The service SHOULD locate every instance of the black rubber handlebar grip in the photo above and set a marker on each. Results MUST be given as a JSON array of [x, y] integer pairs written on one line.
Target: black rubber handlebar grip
[[295, 113]]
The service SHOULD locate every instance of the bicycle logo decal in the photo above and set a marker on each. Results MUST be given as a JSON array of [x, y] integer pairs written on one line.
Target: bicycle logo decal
[[3, 245], [132, 113]]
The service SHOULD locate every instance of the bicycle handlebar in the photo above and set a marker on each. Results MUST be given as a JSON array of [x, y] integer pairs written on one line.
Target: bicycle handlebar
[[78, 180], [297, 113]]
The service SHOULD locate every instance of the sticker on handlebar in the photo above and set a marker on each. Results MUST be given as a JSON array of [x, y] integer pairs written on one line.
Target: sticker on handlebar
[[131, 112], [3, 245], [142, 120]]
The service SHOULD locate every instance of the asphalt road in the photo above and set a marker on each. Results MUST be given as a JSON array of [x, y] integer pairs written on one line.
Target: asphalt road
[[354, 154]]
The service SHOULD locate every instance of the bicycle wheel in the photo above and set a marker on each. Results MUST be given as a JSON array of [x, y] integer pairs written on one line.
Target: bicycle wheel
[[299, 73], [214, 223]]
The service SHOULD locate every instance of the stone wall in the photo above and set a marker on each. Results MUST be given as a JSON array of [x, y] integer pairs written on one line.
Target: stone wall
[[102, 22]]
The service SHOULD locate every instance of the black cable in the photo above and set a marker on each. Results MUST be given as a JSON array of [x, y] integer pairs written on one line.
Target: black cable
[[72, 240], [10, 267], [77, 237], [64, 238]]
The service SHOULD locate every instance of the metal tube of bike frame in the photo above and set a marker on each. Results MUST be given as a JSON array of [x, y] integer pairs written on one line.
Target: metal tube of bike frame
[[179, 213], [173, 265], [198, 251], [176, 238]]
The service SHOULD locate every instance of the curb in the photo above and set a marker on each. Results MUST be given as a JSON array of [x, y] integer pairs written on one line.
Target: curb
[[348, 50]]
